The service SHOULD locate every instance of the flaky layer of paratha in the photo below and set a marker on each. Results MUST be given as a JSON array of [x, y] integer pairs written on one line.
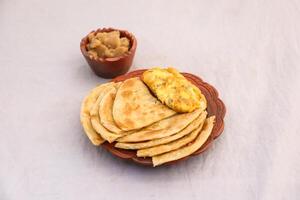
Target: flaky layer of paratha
[[142, 145], [85, 117], [163, 128], [188, 149]]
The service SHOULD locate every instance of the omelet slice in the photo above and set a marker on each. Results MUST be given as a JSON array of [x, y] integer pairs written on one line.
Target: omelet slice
[[174, 90]]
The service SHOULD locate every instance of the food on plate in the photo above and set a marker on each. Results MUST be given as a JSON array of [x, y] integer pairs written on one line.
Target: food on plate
[[135, 107], [107, 44], [174, 90], [189, 149], [163, 128], [95, 118], [130, 117], [105, 111], [142, 145], [85, 117], [153, 151]]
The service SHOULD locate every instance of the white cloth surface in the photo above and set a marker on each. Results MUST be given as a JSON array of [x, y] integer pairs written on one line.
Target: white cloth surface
[[249, 50]]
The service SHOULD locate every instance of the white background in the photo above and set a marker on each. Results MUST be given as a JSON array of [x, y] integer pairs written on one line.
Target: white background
[[249, 50]]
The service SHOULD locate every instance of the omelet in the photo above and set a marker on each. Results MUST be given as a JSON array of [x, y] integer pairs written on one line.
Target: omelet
[[174, 90]]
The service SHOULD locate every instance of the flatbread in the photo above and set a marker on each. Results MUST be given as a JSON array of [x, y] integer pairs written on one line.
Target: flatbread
[[153, 151], [85, 117], [162, 128], [142, 145], [96, 121], [189, 149], [105, 111], [135, 107]]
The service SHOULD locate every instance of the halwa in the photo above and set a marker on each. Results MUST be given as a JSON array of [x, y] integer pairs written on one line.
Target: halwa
[[107, 44]]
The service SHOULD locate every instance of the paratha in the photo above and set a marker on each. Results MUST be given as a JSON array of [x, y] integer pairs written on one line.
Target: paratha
[[163, 128], [105, 111], [153, 151], [135, 107], [188, 149], [95, 118], [142, 145], [85, 117]]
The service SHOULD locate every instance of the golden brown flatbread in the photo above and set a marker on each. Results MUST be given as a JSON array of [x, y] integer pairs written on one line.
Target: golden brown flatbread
[[142, 145], [95, 118], [105, 111], [189, 149], [135, 107], [162, 128], [153, 151], [85, 117]]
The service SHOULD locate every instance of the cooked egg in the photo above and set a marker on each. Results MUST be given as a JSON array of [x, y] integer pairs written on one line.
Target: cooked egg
[[174, 90]]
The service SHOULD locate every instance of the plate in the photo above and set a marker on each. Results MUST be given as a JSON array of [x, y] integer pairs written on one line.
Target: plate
[[215, 106]]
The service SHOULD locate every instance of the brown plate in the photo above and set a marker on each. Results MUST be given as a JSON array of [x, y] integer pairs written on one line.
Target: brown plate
[[215, 106]]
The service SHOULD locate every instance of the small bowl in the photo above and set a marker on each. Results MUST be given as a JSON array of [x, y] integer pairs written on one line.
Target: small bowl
[[110, 67]]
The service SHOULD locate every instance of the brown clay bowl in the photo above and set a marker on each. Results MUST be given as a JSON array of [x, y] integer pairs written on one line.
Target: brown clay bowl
[[215, 106], [110, 67]]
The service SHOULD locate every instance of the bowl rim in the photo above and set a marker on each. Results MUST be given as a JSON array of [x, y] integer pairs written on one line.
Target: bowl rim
[[130, 36]]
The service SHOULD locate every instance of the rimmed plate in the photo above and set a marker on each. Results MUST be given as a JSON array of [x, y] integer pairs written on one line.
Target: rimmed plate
[[215, 106]]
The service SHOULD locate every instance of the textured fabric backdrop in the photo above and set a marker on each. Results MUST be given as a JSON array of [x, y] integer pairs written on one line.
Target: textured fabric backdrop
[[249, 50]]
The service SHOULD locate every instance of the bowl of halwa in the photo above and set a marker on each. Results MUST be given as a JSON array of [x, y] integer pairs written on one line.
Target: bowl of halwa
[[108, 51]]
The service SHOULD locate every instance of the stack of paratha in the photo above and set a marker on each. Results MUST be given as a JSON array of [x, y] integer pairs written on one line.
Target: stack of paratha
[[128, 114]]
